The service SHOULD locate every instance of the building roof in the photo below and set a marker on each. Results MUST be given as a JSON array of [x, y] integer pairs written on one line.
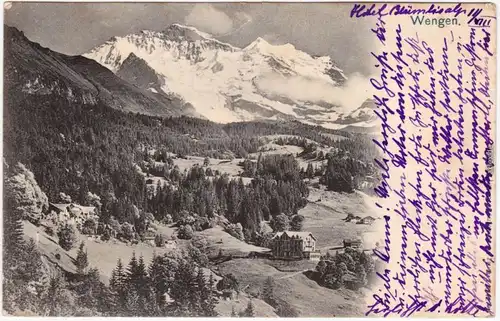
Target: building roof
[[61, 207], [84, 209], [301, 235]]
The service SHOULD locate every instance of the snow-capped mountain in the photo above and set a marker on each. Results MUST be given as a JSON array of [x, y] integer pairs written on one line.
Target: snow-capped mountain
[[225, 83]]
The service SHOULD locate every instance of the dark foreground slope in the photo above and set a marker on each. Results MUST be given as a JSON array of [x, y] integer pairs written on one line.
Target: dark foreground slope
[[33, 70]]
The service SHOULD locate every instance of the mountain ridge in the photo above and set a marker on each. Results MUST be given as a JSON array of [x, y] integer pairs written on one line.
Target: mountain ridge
[[35, 70], [225, 83]]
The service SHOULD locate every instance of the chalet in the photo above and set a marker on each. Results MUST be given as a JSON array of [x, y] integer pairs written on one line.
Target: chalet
[[72, 213], [294, 245], [352, 243], [150, 236], [368, 220], [60, 210], [352, 218], [171, 244]]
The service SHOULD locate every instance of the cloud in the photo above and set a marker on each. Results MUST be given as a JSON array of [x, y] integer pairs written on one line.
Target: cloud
[[350, 96], [206, 18], [241, 20]]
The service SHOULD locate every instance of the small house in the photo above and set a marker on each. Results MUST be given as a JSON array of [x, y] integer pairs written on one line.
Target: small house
[[368, 220], [315, 256], [60, 210], [170, 244], [352, 243], [150, 235]]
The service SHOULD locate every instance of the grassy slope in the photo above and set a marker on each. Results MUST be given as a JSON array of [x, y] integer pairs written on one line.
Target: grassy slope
[[261, 308], [303, 294], [217, 240], [102, 255], [325, 218]]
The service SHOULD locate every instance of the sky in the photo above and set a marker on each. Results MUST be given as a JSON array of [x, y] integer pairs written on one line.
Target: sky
[[317, 28]]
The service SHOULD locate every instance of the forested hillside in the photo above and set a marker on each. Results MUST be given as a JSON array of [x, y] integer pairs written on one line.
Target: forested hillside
[[76, 148]]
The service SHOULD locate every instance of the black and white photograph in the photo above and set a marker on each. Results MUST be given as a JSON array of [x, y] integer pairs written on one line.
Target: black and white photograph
[[191, 160]]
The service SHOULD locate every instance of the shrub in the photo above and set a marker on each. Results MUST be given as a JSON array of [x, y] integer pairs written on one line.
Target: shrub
[[228, 282], [89, 227], [115, 225], [159, 241], [198, 256], [127, 231], [187, 219], [58, 256], [49, 230], [168, 219], [297, 222], [235, 230], [185, 232], [285, 310], [280, 223], [106, 235], [67, 236], [201, 223], [264, 240]]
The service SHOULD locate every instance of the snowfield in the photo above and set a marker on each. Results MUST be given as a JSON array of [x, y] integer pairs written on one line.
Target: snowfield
[[217, 78]]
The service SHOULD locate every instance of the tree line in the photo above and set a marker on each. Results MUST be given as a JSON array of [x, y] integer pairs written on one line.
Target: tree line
[[351, 269], [77, 149], [276, 188]]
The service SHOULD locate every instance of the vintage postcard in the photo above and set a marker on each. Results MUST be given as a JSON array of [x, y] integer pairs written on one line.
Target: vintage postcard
[[249, 159]]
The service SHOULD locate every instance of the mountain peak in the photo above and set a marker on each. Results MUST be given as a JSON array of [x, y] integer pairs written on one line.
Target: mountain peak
[[262, 46], [131, 58], [137, 72], [224, 83], [13, 31], [178, 31], [258, 44]]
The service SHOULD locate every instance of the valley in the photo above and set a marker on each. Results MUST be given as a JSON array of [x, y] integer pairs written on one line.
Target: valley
[[324, 216], [158, 169]]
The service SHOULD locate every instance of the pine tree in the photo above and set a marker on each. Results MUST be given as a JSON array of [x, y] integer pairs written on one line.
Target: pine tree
[[211, 300], [133, 304], [268, 292], [91, 291], [310, 171], [132, 269], [137, 279], [67, 236], [158, 278], [142, 280], [55, 301], [201, 296], [81, 261], [12, 229], [118, 287], [249, 311], [361, 275], [183, 290]]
